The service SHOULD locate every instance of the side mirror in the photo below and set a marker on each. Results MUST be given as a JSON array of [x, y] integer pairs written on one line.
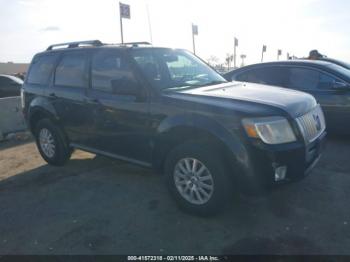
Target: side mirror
[[341, 86]]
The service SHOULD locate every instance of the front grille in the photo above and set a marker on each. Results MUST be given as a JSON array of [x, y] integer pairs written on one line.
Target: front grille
[[312, 124]]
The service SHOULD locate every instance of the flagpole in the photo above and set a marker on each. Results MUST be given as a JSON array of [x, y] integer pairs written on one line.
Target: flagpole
[[149, 24], [194, 44], [193, 40], [235, 52], [121, 25]]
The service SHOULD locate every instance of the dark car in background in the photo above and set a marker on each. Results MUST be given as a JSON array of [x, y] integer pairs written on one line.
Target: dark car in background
[[10, 86], [328, 82]]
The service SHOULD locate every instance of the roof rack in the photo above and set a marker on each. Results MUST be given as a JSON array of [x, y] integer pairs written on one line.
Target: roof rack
[[136, 44], [76, 44]]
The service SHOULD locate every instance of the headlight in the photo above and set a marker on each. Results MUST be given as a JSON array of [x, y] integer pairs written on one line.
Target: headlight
[[271, 130]]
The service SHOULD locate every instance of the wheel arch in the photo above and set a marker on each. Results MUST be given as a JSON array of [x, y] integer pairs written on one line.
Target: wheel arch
[[40, 108], [177, 130]]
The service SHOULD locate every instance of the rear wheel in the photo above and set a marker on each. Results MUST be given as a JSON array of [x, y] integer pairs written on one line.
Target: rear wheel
[[197, 178], [51, 143]]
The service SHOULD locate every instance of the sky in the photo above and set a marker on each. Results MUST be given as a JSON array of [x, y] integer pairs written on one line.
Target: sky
[[296, 27]]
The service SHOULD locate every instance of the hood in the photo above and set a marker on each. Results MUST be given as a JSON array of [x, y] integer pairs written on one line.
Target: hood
[[295, 103]]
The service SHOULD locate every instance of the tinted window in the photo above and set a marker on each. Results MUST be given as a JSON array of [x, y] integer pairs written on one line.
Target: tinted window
[[301, 78], [41, 69], [326, 81], [4, 81], [276, 76], [8, 87], [110, 70], [150, 67], [71, 71], [309, 79]]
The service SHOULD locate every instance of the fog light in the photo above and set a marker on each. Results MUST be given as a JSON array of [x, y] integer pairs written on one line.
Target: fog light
[[280, 173]]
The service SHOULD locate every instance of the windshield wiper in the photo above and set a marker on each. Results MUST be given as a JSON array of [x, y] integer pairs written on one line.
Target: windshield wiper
[[181, 87], [213, 83], [196, 86]]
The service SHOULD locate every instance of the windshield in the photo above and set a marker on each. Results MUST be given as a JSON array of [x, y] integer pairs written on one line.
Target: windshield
[[168, 68]]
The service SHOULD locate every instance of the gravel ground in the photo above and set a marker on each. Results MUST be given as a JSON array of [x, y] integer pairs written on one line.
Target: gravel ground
[[95, 205]]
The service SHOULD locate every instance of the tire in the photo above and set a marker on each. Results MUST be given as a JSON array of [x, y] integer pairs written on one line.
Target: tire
[[51, 143], [215, 176]]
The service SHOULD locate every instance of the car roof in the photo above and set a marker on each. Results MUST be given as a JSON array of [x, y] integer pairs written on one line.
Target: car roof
[[14, 78], [330, 67], [295, 62], [299, 62]]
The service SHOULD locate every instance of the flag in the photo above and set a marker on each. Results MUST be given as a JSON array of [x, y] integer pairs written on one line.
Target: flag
[[194, 29], [236, 41], [124, 10], [264, 48]]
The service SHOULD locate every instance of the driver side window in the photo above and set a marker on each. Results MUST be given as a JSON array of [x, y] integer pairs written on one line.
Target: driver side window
[[109, 71]]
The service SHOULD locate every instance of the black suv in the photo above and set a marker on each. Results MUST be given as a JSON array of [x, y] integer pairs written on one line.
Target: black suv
[[165, 108]]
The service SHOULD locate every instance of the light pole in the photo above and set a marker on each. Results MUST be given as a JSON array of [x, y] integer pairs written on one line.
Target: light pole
[[262, 53], [279, 53], [243, 57], [235, 52], [194, 32]]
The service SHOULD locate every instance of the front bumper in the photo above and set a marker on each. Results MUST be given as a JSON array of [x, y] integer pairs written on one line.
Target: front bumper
[[298, 158]]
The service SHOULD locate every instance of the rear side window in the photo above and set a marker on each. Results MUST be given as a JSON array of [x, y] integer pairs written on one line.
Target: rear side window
[[41, 69], [71, 71]]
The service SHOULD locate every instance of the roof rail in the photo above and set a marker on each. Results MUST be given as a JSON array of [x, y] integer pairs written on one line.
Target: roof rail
[[76, 44], [136, 44]]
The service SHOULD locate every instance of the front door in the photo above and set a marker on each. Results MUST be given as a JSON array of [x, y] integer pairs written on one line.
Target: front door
[[119, 106]]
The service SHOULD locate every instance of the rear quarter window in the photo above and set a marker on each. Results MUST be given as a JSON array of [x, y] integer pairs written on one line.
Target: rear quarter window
[[41, 69]]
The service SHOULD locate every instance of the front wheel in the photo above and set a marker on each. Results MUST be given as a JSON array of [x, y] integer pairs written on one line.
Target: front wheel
[[197, 178]]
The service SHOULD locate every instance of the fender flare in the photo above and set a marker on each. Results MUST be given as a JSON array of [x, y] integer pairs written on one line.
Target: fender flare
[[43, 106], [229, 138]]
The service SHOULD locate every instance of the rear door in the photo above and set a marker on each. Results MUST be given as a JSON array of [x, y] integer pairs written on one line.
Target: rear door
[[321, 84], [68, 95], [120, 107]]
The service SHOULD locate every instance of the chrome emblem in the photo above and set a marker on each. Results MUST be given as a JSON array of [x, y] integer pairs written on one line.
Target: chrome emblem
[[317, 122]]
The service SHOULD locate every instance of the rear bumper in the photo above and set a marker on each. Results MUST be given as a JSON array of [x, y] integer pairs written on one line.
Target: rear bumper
[[298, 159]]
